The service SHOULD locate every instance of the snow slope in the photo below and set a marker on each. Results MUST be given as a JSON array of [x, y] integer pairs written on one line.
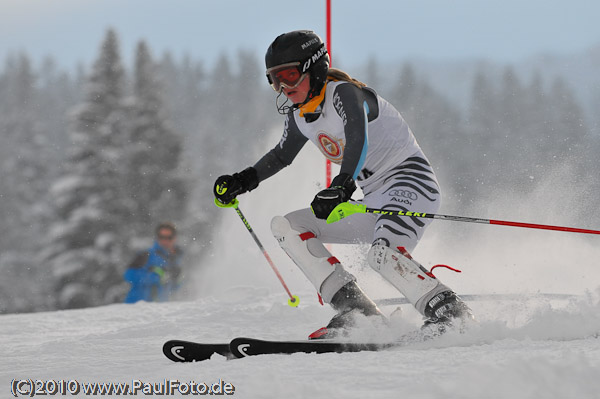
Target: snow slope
[[554, 353], [529, 348]]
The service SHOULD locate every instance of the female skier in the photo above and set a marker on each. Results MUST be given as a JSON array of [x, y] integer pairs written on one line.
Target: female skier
[[366, 135]]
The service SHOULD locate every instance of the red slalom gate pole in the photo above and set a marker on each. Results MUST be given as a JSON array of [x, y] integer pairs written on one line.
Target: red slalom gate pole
[[328, 30], [328, 22]]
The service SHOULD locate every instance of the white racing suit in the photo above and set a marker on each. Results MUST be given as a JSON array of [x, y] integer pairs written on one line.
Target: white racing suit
[[364, 133]]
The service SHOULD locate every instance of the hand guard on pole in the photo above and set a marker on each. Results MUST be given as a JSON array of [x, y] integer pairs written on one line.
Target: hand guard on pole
[[341, 189], [228, 187]]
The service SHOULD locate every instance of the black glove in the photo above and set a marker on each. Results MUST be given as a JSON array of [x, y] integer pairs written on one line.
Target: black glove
[[339, 191], [228, 187]]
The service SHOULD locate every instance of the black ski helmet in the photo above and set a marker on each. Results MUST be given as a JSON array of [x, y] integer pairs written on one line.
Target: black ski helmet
[[305, 47]]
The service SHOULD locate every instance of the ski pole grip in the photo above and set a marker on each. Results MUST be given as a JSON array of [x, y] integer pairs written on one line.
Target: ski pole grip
[[232, 204], [344, 210]]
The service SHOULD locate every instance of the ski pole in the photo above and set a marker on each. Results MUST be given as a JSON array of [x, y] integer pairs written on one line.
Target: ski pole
[[346, 209], [293, 301]]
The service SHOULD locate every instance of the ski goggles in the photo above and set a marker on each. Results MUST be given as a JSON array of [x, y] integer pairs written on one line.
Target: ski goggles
[[285, 75]]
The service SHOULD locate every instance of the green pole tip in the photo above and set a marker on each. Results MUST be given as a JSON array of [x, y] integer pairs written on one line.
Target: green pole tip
[[294, 301]]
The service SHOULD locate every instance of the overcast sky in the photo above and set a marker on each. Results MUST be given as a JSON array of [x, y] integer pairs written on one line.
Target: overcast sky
[[391, 30]]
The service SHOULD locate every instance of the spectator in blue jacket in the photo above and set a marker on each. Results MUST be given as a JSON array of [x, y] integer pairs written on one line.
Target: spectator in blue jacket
[[154, 274]]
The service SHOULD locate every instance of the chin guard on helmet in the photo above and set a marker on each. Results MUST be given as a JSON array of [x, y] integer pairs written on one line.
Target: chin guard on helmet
[[283, 107]]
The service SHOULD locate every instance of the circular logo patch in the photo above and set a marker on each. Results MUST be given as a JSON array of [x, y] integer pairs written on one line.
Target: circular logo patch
[[331, 148]]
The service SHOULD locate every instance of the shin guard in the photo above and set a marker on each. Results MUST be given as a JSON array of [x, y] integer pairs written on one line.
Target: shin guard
[[408, 276], [322, 269]]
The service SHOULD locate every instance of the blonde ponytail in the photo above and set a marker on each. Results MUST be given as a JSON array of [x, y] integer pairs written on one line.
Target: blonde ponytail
[[338, 74]]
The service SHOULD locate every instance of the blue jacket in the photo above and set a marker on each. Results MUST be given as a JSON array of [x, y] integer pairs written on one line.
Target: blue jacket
[[153, 275]]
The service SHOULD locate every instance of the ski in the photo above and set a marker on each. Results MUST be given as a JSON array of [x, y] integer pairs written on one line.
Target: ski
[[186, 351], [243, 347], [486, 297]]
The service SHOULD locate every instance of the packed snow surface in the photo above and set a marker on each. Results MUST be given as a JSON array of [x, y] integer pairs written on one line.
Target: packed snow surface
[[528, 348]]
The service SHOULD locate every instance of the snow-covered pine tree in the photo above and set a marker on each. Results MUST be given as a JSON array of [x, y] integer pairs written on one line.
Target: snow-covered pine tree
[[155, 183], [84, 255], [434, 120], [568, 124], [26, 170], [405, 94]]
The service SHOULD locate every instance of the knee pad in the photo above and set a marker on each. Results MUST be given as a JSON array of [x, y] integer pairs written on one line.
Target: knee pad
[[404, 273], [322, 269]]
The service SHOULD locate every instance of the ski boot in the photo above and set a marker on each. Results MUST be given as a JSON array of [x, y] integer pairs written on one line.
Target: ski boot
[[445, 311], [350, 301]]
